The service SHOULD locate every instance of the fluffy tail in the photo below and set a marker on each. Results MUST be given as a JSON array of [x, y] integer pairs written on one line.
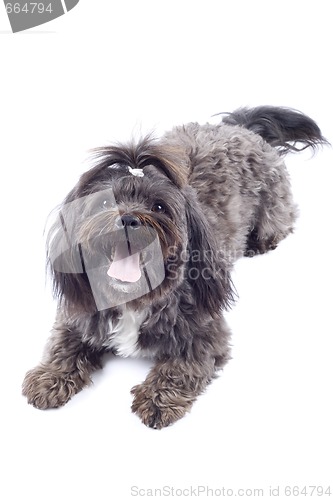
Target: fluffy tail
[[281, 127]]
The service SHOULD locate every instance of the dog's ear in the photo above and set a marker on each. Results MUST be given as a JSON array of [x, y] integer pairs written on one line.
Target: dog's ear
[[207, 269], [66, 266]]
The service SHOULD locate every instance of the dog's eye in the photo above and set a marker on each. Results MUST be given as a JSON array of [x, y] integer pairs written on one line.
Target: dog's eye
[[106, 204], [158, 208]]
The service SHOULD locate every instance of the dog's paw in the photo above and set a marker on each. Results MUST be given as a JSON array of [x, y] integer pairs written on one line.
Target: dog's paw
[[159, 408], [257, 246], [46, 389]]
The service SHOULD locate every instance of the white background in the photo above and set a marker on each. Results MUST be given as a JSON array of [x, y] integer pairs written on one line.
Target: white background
[[103, 72]]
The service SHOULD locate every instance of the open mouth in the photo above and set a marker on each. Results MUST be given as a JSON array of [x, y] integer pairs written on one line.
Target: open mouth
[[120, 270], [128, 263], [122, 265]]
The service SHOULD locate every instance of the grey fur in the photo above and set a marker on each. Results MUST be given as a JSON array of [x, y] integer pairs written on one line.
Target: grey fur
[[225, 193]]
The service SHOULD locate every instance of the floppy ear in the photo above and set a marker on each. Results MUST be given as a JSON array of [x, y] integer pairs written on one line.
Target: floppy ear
[[207, 270], [66, 266]]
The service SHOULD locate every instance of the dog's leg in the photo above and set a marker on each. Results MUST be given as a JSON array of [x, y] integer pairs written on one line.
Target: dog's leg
[[178, 378], [66, 370], [274, 221], [256, 245], [169, 390]]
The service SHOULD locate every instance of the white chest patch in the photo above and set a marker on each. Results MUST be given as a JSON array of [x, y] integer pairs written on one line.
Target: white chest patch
[[124, 334]]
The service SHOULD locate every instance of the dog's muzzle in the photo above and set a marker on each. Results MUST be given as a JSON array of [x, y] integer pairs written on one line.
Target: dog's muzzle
[[125, 265]]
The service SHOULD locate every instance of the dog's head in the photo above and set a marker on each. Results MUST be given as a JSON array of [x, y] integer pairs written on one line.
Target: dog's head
[[132, 230]]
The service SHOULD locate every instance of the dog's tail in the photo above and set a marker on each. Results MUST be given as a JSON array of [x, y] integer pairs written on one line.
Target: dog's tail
[[283, 128]]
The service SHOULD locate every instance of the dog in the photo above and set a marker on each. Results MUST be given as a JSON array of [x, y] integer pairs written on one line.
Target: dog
[[142, 250]]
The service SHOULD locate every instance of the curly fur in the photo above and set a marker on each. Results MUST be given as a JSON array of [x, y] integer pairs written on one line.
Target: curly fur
[[221, 192]]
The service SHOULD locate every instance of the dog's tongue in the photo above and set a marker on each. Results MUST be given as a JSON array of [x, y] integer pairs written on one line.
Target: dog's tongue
[[125, 267]]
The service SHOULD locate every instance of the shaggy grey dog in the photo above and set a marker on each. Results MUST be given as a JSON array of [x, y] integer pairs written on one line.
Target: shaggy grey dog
[[142, 250]]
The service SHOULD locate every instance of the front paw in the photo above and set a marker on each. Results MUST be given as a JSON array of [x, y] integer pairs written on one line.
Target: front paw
[[159, 408], [46, 389]]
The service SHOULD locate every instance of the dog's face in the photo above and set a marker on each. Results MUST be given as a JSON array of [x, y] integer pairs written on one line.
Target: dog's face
[[126, 232]]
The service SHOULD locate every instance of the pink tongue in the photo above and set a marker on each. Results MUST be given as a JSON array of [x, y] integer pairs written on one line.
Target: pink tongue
[[125, 267]]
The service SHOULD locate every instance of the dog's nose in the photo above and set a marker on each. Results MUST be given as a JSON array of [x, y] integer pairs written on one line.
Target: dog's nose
[[132, 221]]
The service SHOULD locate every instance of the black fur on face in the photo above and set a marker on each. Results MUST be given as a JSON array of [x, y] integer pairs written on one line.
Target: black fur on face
[[156, 205]]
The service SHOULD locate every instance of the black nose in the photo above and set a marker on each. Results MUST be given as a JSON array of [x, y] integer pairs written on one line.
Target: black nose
[[132, 221]]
